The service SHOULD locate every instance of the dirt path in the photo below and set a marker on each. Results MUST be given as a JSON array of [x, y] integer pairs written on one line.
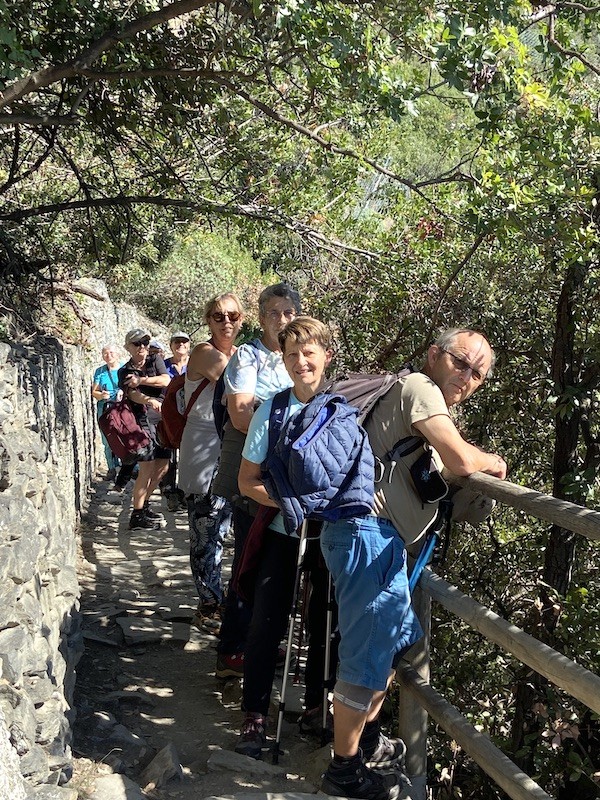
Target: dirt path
[[146, 681]]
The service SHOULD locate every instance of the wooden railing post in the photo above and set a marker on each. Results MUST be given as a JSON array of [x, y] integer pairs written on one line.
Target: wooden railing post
[[412, 718]]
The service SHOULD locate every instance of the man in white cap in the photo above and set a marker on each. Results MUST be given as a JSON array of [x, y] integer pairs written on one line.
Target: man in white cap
[[143, 379]]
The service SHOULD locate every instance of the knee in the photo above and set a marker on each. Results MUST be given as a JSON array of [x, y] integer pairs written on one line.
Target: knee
[[358, 698]]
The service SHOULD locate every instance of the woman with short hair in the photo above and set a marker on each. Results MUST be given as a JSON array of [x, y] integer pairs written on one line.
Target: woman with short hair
[[105, 386]]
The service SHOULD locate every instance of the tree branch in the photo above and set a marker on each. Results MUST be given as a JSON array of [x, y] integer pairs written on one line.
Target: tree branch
[[265, 213], [574, 54], [49, 75]]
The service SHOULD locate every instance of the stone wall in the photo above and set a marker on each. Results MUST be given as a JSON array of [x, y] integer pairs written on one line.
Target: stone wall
[[49, 452]]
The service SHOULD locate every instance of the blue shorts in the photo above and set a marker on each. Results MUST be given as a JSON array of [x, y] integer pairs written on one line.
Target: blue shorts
[[367, 561]]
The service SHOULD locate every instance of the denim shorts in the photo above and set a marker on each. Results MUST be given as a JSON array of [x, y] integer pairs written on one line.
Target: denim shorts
[[367, 561]]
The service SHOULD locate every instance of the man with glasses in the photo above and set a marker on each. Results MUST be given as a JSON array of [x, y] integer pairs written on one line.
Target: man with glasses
[[143, 379], [366, 556]]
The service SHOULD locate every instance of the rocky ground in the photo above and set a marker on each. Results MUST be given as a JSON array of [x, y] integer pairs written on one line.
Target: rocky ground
[[153, 721]]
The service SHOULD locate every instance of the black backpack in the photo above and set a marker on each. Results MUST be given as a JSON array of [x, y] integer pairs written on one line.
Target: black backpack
[[220, 412]]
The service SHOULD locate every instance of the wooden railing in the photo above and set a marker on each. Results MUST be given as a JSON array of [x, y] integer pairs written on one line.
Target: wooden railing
[[418, 699]]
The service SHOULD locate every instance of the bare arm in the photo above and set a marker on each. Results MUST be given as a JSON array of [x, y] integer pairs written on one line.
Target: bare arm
[[133, 381], [206, 362], [98, 393], [139, 397], [251, 485], [458, 455], [240, 408]]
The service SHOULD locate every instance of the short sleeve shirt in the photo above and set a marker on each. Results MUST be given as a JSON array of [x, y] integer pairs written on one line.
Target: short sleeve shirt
[[153, 366], [108, 381], [256, 446], [412, 399], [172, 369], [262, 377]]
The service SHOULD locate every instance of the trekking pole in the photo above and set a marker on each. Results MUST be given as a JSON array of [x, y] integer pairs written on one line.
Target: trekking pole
[[442, 521], [290, 638], [303, 607], [326, 664]]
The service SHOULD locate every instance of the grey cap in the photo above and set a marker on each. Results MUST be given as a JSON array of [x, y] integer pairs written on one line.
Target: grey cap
[[179, 335], [157, 344], [136, 335]]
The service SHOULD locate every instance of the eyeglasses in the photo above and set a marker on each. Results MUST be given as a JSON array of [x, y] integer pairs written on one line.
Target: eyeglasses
[[463, 366], [220, 316], [288, 313], [141, 344]]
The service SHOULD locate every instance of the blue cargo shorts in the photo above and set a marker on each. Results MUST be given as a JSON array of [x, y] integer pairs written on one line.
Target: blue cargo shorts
[[367, 561]]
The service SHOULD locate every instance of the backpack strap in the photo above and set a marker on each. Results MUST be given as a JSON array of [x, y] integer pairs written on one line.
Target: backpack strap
[[276, 417], [194, 397]]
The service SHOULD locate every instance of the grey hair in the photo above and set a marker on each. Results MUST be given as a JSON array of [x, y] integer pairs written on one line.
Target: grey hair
[[279, 290], [111, 346], [447, 337]]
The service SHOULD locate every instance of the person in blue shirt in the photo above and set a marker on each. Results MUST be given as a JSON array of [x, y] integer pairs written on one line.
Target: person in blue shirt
[[307, 349], [105, 386]]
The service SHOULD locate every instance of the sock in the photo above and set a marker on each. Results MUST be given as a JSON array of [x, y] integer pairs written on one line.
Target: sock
[[369, 738], [346, 761]]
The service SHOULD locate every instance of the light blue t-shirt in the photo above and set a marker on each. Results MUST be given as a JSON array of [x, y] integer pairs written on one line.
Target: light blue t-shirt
[[256, 446], [107, 381], [243, 375]]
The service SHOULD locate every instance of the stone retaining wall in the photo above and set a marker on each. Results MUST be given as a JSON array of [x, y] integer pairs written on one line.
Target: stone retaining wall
[[49, 452]]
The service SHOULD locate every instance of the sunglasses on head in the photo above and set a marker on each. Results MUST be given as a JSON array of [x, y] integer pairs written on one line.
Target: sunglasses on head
[[220, 316]]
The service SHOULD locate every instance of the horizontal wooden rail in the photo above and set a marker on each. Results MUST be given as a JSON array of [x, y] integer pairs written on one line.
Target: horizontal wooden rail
[[560, 512], [562, 671], [507, 775]]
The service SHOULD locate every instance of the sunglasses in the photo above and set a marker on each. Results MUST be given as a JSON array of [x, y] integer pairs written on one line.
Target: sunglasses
[[140, 344], [221, 316], [463, 366]]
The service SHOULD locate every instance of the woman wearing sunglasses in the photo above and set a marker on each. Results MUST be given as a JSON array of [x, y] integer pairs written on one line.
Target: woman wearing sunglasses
[[209, 516]]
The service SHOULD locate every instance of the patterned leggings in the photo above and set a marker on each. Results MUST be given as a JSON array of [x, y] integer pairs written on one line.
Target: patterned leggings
[[209, 518]]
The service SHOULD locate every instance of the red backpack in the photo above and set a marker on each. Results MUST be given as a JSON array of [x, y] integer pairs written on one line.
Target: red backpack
[[172, 422], [127, 440]]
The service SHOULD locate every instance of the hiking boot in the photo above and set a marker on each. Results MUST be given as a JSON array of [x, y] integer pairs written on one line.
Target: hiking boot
[[153, 516], [173, 502], [354, 779], [311, 723], [252, 737], [230, 665], [207, 617], [380, 752], [388, 754], [140, 522]]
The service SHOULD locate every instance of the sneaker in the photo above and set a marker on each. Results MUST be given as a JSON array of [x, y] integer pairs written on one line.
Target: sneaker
[[311, 723], [140, 522], [230, 666], [388, 754], [153, 515], [355, 779], [252, 737]]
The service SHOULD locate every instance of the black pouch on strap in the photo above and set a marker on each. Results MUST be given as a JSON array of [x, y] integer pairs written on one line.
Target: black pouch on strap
[[427, 479]]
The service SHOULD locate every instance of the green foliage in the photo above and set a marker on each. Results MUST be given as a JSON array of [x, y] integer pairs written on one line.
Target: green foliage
[[200, 266], [407, 167]]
